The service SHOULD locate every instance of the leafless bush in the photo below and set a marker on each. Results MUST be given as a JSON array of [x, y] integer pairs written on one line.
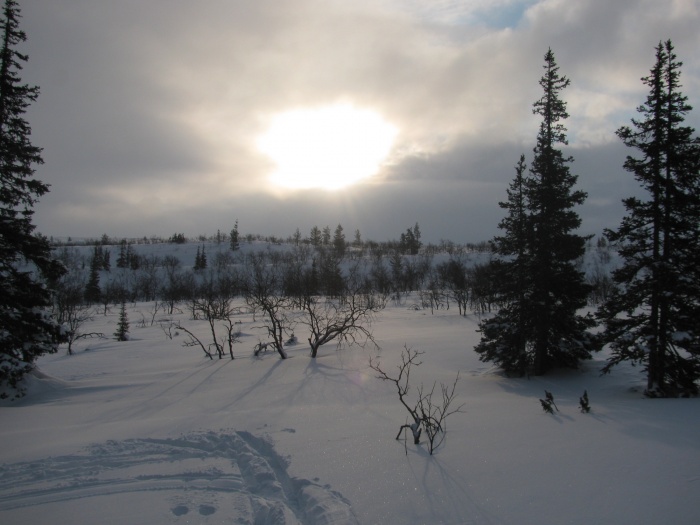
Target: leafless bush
[[425, 413], [346, 320]]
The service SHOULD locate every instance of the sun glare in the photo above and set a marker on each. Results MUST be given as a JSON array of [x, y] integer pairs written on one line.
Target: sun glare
[[330, 147]]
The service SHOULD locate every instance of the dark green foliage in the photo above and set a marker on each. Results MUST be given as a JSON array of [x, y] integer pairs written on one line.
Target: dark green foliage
[[122, 333], [234, 243], [26, 328], [200, 260], [339, 241], [538, 327], [315, 236], [93, 293], [583, 403], [409, 242], [652, 318], [178, 238], [548, 404]]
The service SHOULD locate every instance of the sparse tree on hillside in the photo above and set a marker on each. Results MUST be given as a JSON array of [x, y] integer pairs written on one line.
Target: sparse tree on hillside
[[653, 317], [326, 236], [26, 328], [541, 327], [409, 242], [234, 243], [122, 332], [315, 237], [92, 289], [339, 241], [357, 242]]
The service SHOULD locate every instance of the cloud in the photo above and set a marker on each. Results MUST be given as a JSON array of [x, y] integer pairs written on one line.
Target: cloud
[[149, 112]]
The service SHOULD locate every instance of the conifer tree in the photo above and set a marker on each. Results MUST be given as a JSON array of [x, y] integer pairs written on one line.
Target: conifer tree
[[653, 316], [198, 259], [234, 243], [505, 336], [540, 328], [326, 236], [315, 236], [339, 241], [203, 259], [26, 329], [92, 288], [122, 333]]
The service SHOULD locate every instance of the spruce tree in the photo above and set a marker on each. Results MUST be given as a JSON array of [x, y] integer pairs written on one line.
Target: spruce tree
[[26, 329], [540, 327], [339, 241], [234, 243], [122, 333], [653, 316], [559, 288], [505, 336], [93, 294], [203, 259], [198, 259], [315, 236]]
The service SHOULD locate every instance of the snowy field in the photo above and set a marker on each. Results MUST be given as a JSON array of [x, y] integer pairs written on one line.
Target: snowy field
[[148, 431]]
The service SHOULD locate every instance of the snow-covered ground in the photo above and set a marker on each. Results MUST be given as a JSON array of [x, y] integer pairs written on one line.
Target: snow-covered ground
[[149, 431]]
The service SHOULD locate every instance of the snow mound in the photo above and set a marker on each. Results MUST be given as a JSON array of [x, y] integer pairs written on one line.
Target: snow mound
[[212, 477]]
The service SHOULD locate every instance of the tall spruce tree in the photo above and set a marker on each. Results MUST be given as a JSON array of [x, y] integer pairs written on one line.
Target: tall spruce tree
[[504, 337], [540, 328], [653, 317], [26, 329]]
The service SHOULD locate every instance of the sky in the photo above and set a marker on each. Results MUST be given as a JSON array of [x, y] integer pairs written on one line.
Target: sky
[[155, 117]]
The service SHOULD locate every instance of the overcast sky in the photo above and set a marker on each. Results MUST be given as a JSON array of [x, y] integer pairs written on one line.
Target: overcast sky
[[151, 111]]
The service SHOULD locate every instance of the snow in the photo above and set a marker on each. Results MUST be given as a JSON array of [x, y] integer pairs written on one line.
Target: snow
[[148, 431]]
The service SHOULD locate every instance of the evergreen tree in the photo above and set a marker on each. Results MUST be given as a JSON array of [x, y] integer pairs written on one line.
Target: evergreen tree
[[122, 259], [339, 241], [326, 236], [234, 243], [653, 317], [26, 329], [409, 242], [122, 333], [315, 236], [357, 242], [92, 289], [505, 336], [540, 328], [203, 259]]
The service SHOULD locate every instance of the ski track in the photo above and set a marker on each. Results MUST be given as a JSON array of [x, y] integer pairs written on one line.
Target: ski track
[[201, 474]]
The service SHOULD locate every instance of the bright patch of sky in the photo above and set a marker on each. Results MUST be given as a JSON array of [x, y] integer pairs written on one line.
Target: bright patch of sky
[[489, 13]]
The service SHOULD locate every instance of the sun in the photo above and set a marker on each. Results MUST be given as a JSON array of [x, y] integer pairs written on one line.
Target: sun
[[329, 147]]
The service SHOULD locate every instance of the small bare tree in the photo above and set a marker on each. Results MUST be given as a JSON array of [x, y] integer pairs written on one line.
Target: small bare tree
[[409, 358], [425, 413], [70, 309], [348, 319], [263, 292], [215, 310]]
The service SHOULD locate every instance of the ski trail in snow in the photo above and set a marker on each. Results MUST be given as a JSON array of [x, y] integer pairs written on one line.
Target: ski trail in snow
[[215, 476]]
